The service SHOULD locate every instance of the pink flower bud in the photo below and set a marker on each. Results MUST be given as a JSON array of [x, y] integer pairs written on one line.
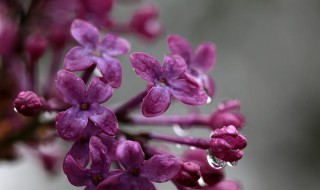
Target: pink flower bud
[[28, 103], [189, 174], [36, 46], [227, 144], [145, 21]]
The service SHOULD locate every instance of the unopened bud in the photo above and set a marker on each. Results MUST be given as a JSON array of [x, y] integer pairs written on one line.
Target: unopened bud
[[28, 103], [36, 46], [189, 174]]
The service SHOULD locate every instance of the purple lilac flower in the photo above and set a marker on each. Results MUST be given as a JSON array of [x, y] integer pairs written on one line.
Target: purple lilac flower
[[227, 144], [85, 105], [92, 52], [199, 64], [139, 173], [100, 165], [165, 81], [28, 103], [227, 114]]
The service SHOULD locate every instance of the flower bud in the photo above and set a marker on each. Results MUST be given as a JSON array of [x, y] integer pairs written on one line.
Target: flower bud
[[226, 115], [28, 103], [145, 21], [36, 45], [227, 144], [189, 174]]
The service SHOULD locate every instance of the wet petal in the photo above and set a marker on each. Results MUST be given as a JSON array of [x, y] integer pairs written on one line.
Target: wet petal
[[71, 124], [180, 46], [161, 168], [75, 173], [209, 85], [105, 119], [187, 92], [156, 102], [205, 57], [114, 45], [77, 59], [111, 71], [146, 66], [173, 67], [71, 87], [130, 155], [99, 156], [126, 181], [85, 33], [99, 91]]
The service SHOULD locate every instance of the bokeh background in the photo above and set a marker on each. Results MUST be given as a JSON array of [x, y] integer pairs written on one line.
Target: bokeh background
[[269, 58]]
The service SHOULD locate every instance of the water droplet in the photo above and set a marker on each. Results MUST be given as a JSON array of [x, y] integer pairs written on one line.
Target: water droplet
[[201, 182], [214, 162], [232, 164], [15, 109], [181, 131], [209, 100]]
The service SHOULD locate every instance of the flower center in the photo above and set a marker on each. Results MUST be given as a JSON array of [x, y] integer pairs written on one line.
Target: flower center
[[97, 178], [96, 53], [84, 106], [163, 82], [135, 171]]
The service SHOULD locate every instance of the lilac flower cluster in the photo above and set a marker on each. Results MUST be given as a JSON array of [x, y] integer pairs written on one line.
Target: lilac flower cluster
[[103, 154]]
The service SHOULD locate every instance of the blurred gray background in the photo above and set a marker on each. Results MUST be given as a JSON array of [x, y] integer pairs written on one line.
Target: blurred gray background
[[269, 58]]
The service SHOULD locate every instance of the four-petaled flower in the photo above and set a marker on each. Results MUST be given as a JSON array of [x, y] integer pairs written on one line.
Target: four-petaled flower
[[227, 144], [165, 81], [85, 105], [139, 173], [96, 53], [199, 64], [78, 175]]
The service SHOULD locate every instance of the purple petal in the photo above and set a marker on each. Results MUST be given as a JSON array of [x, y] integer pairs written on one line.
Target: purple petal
[[130, 155], [173, 67], [77, 59], [76, 174], [70, 87], [80, 152], [99, 156], [180, 46], [188, 92], [105, 119], [111, 71], [98, 91], [146, 66], [161, 168], [111, 144], [205, 57], [209, 85], [125, 181], [71, 124], [156, 102], [85, 33], [113, 45]]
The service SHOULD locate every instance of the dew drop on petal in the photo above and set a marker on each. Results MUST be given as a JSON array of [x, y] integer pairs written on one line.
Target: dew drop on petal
[[214, 162], [232, 164], [15, 109], [209, 100], [192, 148], [201, 182], [181, 131]]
